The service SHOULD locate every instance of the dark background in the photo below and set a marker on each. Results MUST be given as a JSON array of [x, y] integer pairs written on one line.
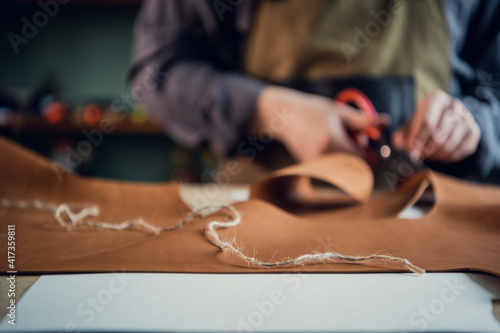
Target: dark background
[[81, 56]]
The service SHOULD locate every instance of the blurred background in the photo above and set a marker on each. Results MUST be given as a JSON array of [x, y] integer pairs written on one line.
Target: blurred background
[[63, 68]]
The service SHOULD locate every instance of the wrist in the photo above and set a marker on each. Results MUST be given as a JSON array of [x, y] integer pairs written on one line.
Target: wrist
[[269, 99]]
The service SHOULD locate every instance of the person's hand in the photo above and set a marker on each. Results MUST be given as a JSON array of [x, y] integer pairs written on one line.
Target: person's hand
[[316, 124], [442, 129]]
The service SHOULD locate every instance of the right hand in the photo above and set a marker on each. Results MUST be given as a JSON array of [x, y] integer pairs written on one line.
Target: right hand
[[318, 125]]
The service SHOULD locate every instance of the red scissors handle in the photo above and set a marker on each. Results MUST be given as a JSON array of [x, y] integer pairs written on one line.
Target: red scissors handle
[[362, 102]]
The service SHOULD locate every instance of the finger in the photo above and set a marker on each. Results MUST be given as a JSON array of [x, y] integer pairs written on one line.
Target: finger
[[357, 120], [458, 154], [425, 120], [419, 145], [467, 147], [455, 118], [340, 139], [434, 148], [345, 144], [446, 125], [452, 145], [382, 120], [398, 137]]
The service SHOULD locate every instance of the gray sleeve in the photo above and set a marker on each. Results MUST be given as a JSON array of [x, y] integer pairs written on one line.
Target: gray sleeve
[[186, 73], [475, 35]]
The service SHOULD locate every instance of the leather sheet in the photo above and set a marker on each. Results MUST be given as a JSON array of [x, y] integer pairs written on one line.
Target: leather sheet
[[285, 217]]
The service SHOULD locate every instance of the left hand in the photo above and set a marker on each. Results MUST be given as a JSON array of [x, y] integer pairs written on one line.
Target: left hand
[[441, 129]]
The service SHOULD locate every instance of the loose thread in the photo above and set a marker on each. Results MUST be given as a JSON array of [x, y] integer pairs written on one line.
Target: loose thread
[[71, 216]]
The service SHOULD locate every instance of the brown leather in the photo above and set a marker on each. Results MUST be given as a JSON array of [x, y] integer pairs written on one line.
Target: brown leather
[[461, 232]]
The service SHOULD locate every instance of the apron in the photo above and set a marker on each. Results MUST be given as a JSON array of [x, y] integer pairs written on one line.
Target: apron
[[331, 39]]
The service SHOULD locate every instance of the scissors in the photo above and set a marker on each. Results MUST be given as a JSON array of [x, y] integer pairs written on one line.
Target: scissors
[[379, 145]]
